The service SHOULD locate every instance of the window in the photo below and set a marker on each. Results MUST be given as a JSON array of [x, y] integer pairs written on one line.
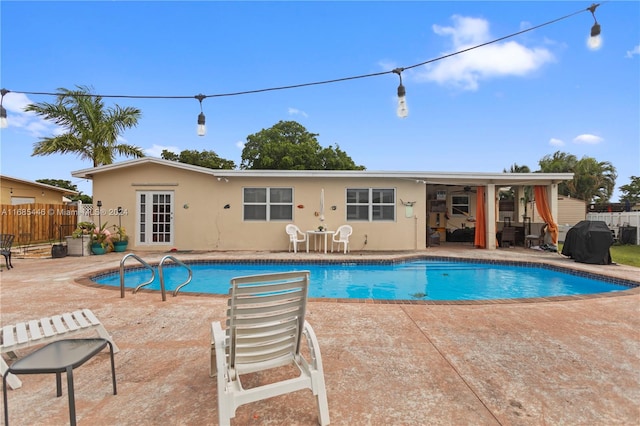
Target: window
[[460, 205], [266, 204], [371, 204]]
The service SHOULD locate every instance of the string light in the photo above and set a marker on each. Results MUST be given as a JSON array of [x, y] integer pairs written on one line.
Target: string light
[[3, 112], [202, 129], [402, 110], [594, 43]]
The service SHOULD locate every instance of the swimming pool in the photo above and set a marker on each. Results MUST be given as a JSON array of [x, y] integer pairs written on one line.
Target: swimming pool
[[427, 279]]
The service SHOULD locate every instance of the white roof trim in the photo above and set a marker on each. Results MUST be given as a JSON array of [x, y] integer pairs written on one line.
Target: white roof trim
[[433, 178]]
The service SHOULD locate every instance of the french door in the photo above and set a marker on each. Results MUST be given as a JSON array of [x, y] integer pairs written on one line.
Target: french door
[[155, 218]]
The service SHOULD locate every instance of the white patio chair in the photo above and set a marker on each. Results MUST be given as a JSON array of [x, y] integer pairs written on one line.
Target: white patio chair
[[265, 325], [342, 236], [296, 236]]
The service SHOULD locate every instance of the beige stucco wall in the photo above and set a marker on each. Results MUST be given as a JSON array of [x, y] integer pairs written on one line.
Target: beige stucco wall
[[202, 223], [571, 211], [16, 189]]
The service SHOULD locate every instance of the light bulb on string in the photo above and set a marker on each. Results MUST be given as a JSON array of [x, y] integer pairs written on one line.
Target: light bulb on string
[[3, 112], [594, 42], [202, 129], [403, 110]]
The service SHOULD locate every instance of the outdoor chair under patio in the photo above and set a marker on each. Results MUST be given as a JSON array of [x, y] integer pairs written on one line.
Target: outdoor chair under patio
[[296, 236], [265, 328]]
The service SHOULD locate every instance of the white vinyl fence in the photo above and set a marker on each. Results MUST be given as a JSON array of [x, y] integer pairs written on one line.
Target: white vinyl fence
[[621, 223]]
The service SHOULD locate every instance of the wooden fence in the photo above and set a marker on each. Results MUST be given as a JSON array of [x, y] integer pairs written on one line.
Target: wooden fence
[[37, 223]]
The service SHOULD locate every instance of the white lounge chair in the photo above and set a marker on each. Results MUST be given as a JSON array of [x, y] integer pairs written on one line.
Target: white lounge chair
[[265, 325], [36, 332], [342, 236], [296, 236]]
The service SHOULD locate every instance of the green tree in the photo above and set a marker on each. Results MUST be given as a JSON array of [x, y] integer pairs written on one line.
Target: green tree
[[289, 146], [593, 181], [66, 184], [511, 194], [91, 130], [631, 192], [197, 158]]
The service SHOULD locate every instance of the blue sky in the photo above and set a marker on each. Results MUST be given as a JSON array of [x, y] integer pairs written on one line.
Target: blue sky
[[514, 101]]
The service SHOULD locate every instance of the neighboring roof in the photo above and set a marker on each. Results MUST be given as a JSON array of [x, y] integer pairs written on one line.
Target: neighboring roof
[[435, 178], [39, 185]]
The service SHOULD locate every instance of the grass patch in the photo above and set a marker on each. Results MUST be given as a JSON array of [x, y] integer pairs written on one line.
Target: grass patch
[[626, 254], [623, 254]]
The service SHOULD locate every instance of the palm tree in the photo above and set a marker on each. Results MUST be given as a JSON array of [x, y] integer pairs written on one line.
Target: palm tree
[[90, 130], [528, 190], [592, 180]]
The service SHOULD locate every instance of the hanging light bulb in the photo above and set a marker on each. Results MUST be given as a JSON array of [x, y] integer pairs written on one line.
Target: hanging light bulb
[[594, 42], [402, 110], [3, 112], [202, 129]]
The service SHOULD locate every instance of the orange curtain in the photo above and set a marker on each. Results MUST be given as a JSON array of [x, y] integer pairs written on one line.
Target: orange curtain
[[480, 240], [542, 204]]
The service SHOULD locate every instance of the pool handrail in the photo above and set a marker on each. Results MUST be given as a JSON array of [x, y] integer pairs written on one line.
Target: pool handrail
[[161, 264], [143, 263]]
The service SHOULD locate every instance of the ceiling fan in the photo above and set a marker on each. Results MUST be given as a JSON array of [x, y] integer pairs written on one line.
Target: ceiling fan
[[465, 190]]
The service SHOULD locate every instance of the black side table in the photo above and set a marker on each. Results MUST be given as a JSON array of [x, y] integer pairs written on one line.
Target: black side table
[[58, 357]]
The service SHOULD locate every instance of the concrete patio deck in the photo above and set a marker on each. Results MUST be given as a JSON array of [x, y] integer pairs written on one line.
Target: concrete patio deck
[[552, 362]]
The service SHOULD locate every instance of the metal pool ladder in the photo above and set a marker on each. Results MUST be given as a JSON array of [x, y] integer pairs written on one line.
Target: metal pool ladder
[[153, 274], [143, 263], [175, 292]]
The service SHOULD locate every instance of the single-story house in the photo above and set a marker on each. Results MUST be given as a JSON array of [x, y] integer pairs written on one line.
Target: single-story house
[[15, 191], [168, 205]]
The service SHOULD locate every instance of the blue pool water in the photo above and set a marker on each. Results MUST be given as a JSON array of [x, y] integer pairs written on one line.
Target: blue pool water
[[411, 280]]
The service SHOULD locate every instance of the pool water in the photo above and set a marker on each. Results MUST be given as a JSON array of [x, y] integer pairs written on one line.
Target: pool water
[[411, 280]]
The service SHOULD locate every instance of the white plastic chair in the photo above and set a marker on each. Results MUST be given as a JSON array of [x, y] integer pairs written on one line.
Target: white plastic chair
[[296, 236], [342, 236], [265, 325]]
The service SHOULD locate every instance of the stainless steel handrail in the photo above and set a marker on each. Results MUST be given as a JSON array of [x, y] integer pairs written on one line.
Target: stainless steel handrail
[[143, 263], [161, 264]]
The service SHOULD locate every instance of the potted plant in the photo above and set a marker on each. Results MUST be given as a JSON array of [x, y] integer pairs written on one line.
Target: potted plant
[[119, 238], [101, 240], [79, 242]]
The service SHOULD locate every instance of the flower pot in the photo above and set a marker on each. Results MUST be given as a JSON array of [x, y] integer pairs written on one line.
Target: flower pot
[[80, 246], [96, 248], [120, 246]]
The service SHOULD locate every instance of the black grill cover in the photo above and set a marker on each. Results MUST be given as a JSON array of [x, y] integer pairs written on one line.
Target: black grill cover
[[588, 242]]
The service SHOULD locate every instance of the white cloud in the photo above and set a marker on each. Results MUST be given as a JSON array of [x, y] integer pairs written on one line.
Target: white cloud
[[634, 51], [467, 69], [587, 139], [36, 127], [240, 144], [556, 142], [295, 111], [156, 150]]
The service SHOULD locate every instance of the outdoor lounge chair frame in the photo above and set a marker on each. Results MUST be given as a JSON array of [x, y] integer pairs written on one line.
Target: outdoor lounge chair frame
[[265, 326], [45, 330]]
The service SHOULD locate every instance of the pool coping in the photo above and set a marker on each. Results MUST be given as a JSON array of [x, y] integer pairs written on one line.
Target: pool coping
[[634, 286]]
